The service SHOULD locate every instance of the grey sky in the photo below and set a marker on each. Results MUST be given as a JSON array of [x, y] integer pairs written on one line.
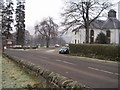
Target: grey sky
[[36, 10]]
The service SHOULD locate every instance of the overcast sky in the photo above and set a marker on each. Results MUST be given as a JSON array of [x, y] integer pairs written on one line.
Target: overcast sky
[[36, 10]]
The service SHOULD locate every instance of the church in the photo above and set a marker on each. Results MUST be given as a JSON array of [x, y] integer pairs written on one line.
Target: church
[[110, 27]]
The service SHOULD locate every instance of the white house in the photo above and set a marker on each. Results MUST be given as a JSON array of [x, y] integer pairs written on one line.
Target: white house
[[110, 27]]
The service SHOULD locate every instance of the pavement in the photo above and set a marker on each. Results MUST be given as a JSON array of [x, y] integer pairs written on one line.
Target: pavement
[[90, 72]]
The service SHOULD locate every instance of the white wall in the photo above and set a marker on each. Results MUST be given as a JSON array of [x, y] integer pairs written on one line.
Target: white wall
[[80, 36], [115, 36]]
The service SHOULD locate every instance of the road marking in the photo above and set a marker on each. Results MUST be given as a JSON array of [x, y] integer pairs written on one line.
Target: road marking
[[103, 71], [58, 60], [45, 57], [68, 62], [65, 62], [50, 51]]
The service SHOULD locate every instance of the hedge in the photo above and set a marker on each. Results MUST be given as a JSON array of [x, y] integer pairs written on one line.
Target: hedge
[[101, 51]]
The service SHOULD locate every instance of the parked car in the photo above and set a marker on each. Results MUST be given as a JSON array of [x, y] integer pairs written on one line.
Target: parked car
[[57, 45], [64, 50]]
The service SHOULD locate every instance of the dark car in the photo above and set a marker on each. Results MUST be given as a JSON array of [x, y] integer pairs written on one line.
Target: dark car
[[64, 50]]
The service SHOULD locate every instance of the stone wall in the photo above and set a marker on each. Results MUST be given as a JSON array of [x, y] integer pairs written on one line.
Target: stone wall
[[47, 78]]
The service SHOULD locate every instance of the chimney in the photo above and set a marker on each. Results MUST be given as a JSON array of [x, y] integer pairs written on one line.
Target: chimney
[[112, 13]]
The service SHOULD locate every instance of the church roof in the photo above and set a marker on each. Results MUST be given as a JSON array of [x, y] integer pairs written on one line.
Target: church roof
[[97, 24], [111, 23]]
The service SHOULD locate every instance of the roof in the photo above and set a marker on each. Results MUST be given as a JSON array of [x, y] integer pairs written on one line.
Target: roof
[[97, 24], [111, 23]]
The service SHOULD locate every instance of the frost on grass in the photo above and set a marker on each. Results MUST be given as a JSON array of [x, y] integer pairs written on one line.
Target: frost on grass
[[14, 77]]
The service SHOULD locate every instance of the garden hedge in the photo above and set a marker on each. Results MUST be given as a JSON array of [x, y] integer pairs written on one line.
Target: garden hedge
[[101, 51]]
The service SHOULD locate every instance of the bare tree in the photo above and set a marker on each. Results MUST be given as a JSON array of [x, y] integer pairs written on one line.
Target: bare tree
[[39, 40], [79, 13], [48, 29]]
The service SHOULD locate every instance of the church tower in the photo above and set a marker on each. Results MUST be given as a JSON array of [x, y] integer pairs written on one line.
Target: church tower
[[112, 13]]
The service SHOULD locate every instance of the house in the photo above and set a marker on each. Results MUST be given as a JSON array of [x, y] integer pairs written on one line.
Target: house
[[110, 27], [9, 43]]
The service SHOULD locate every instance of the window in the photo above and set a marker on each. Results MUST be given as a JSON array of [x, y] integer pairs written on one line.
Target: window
[[75, 32], [108, 36], [91, 36], [75, 41]]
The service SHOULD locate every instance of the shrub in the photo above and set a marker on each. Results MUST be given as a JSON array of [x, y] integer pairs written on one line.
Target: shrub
[[101, 38], [109, 52]]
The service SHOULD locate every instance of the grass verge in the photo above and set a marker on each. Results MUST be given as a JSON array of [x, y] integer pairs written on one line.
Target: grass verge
[[15, 77]]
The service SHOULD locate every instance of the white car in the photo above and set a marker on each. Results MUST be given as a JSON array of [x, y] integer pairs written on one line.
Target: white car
[[57, 45]]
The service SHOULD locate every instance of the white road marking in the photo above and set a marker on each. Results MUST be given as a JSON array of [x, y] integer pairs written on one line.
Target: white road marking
[[45, 57], [103, 71], [50, 51], [68, 62], [65, 62], [58, 60]]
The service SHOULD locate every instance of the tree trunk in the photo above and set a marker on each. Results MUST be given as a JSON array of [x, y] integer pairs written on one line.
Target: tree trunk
[[87, 23], [47, 43], [87, 34]]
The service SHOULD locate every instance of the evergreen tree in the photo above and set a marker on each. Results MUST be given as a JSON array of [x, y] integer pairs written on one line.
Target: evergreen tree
[[101, 38], [7, 19], [20, 23]]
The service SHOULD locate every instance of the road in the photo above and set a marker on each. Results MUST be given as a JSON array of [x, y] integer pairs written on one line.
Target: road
[[93, 73]]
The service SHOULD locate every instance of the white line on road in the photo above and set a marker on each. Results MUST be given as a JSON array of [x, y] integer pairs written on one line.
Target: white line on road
[[45, 57], [66, 72], [65, 62], [103, 71], [50, 51], [68, 62], [58, 60]]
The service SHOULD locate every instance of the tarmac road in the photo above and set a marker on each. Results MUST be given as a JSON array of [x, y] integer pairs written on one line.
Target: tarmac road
[[90, 72]]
